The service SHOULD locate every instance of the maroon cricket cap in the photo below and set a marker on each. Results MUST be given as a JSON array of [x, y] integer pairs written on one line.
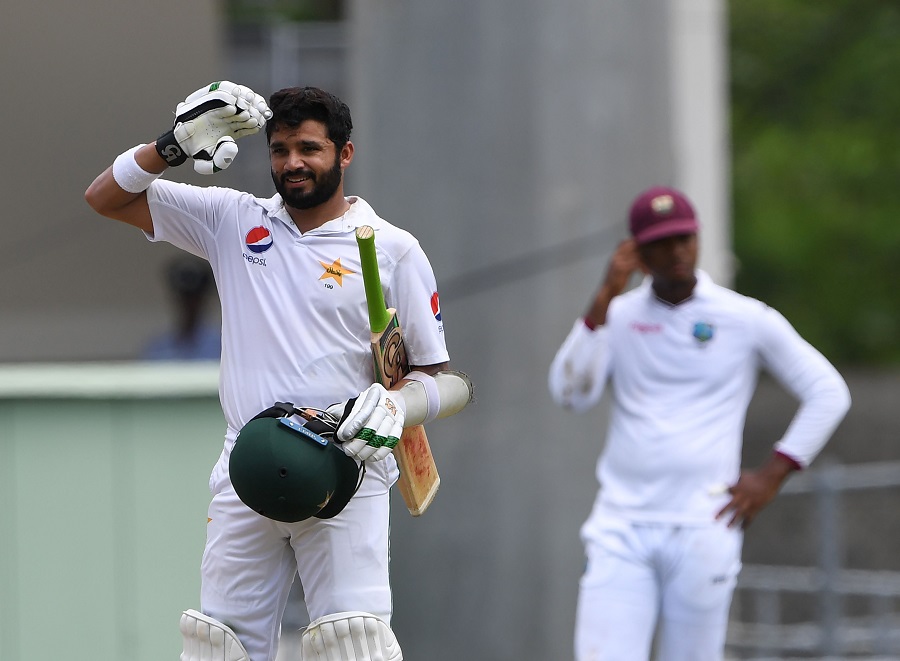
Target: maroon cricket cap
[[660, 212]]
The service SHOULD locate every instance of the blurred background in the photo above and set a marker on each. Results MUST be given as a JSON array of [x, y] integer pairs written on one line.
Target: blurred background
[[509, 137]]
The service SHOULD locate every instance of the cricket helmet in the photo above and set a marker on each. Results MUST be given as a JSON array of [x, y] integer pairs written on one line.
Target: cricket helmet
[[286, 466]]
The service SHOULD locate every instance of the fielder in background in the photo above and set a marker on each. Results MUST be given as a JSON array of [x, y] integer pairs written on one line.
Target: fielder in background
[[681, 356], [191, 336], [295, 328]]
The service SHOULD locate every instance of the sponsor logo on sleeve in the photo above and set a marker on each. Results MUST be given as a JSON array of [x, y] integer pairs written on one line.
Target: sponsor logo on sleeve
[[436, 306]]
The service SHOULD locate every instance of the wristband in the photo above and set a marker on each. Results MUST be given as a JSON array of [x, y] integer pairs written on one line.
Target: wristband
[[432, 394], [796, 465], [130, 176], [169, 149]]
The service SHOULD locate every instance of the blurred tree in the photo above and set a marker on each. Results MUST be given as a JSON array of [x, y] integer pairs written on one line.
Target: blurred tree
[[264, 11], [816, 153]]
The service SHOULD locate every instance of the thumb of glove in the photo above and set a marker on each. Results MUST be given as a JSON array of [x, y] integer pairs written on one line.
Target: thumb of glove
[[223, 155]]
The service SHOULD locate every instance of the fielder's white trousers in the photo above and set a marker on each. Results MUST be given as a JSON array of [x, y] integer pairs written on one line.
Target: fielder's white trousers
[[672, 581], [250, 563]]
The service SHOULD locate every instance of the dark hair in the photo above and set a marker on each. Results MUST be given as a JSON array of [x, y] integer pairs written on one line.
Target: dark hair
[[293, 105]]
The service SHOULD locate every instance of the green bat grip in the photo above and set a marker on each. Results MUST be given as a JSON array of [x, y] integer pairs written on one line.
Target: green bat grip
[[378, 313]]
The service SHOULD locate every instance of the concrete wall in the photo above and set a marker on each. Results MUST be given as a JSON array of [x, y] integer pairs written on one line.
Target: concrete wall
[[510, 137], [83, 82]]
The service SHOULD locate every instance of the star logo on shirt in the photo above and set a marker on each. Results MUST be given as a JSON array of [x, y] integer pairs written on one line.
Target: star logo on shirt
[[336, 271]]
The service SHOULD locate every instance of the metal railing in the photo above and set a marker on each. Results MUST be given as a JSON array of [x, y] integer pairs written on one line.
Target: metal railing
[[871, 631]]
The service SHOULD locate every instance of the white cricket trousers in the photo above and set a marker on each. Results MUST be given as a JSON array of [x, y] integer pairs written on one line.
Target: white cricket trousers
[[250, 563], [642, 580]]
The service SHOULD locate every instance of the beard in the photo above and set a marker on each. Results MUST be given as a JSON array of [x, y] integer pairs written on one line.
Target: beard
[[323, 189]]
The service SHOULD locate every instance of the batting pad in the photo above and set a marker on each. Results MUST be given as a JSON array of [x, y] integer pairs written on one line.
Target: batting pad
[[349, 636], [207, 639]]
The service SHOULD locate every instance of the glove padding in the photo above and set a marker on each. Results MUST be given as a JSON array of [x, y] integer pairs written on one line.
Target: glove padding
[[207, 123], [371, 423]]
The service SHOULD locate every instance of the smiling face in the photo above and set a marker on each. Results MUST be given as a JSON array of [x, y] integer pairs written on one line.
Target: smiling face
[[307, 167]]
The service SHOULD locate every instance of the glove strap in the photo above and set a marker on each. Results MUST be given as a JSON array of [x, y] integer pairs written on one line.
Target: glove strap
[[169, 149]]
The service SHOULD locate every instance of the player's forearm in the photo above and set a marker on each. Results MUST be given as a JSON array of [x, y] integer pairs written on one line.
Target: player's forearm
[[596, 312], [821, 390], [106, 195], [624, 262], [430, 397], [578, 372], [755, 489], [824, 403], [427, 369], [775, 471], [150, 160]]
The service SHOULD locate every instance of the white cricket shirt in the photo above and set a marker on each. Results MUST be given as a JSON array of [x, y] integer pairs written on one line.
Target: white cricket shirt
[[294, 317], [682, 378]]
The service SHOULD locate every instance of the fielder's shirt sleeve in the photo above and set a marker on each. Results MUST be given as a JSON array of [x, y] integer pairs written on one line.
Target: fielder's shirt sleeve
[[804, 371], [580, 368]]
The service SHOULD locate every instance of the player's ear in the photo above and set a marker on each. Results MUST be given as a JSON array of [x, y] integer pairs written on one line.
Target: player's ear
[[347, 152]]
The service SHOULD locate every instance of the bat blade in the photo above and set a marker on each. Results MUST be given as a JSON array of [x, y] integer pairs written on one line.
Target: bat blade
[[419, 479], [389, 353]]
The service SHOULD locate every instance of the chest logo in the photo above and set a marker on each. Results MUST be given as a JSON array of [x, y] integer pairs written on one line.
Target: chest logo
[[703, 332], [335, 271], [645, 328], [258, 240]]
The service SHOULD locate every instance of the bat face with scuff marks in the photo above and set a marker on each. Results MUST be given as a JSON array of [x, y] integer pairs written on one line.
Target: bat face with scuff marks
[[389, 354]]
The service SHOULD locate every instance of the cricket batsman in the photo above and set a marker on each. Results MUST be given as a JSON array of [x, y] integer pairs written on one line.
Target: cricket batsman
[[301, 488]]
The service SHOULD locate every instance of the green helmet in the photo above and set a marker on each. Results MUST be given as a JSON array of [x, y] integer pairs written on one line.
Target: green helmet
[[289, 471]]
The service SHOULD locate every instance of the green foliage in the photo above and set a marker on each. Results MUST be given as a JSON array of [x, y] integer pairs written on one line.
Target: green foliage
[[816, 149], [267, 11]]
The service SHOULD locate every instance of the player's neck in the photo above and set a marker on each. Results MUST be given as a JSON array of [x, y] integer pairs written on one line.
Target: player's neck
[[674, 292], [310, 219]]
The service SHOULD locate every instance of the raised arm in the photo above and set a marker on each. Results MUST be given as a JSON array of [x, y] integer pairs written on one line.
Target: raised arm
[[108, 198], [578, 373], [206, 125], [623, 263]]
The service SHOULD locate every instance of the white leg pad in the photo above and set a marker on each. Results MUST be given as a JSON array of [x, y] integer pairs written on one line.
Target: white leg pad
[[349, 636], [207, 639]]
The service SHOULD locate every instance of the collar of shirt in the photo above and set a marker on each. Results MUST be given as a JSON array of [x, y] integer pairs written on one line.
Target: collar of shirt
[[702, 289], [359, 213]]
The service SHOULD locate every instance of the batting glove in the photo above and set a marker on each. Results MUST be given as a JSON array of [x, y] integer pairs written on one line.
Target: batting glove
[[371, 423], [207, 123]]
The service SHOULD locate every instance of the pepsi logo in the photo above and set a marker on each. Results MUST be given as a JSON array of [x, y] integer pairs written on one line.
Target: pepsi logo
[[436, 306], [258, 240]]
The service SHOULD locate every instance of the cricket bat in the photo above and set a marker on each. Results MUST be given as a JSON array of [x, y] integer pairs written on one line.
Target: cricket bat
[[419, 479]]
